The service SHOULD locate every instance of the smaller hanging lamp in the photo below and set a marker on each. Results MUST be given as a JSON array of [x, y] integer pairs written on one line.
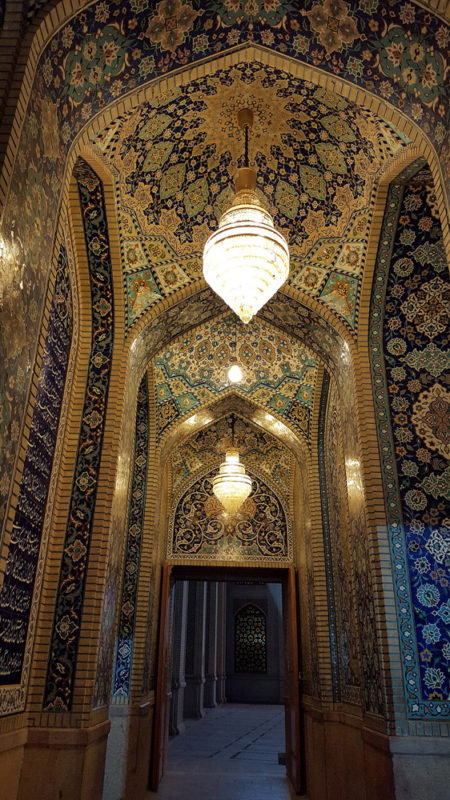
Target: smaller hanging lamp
[[246, 260], [232, 485], [235, 373]]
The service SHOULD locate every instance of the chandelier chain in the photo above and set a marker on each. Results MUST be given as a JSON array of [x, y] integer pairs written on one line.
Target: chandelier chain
[[246, 146]]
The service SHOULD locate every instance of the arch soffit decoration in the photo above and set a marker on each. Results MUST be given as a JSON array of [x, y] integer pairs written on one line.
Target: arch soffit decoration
[[41, 11], [231, 553], [272, 455], [370, 101], [47, 24], [153, 329], [83, 146], [280, 374], [211, 465], [254, 415], [144, 344], [173, 316], [245, 408], [363, 96], [177, 319]]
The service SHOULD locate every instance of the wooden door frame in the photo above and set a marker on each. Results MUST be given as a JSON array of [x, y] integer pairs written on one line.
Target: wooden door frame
[[171, 572], [158, 737]]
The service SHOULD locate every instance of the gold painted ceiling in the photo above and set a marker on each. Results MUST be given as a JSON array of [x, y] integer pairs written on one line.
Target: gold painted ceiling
[[318, 159]]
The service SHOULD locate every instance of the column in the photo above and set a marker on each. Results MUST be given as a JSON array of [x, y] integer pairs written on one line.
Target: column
[[211, 645], [221, 643], [195, 650], [179, 625]]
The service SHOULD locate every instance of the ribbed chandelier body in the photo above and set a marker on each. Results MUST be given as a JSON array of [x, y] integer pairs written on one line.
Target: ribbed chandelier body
[[232, 485], [246, 260]]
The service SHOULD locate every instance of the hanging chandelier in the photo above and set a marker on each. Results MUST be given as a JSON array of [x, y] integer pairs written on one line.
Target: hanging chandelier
[[246, 260], [232, 485]]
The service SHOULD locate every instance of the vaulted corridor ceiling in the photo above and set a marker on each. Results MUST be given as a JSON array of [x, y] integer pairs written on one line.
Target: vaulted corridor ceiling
[[118, 147]]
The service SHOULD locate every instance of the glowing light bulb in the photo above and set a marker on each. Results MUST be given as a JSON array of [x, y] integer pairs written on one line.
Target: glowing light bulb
[[235, 374]]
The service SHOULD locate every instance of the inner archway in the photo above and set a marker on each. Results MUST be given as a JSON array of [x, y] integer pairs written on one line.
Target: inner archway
[[194, 617], [351, 98]]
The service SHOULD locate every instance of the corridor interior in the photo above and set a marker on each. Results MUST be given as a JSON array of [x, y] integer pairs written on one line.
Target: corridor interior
[[230, 754], [226, 723], [120, 143]]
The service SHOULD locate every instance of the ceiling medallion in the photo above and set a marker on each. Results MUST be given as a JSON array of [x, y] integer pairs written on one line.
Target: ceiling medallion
[[246, 260]]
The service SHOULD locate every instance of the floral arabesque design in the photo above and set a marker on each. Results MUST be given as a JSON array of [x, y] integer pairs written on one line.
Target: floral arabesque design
[[171, 23], [331, 20], [121, 684], [16, 594], [69, 605], [199, 529], [101, 57], [412, 62], [268, 12], [431, 418], [416, 452]]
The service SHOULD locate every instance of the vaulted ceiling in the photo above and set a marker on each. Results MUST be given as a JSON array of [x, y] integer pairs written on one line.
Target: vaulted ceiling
[[278, 372], [318, 158]]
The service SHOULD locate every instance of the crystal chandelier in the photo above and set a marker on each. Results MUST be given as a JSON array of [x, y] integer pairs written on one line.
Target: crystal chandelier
[[232, 485], [246, 260]]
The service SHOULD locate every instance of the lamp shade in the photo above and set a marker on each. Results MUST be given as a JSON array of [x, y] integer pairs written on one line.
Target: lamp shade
[[232, 485], [246, 260]]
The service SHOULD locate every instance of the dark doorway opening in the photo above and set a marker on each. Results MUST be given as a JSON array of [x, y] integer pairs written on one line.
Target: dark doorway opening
[[250, 663]]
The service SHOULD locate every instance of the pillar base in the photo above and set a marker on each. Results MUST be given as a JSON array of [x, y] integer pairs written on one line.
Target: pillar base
[[421, 767], [209, 696], [12, 746], [127, 759], [64, 762]]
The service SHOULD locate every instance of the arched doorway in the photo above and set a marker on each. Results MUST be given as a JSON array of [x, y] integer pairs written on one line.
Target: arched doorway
[[283, 576], [80, 644]]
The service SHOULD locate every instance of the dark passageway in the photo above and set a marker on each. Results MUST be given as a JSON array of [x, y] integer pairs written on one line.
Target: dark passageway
[[231, 754]]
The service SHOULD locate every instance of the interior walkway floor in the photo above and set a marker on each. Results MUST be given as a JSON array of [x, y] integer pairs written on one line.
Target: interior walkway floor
[[231, 754]]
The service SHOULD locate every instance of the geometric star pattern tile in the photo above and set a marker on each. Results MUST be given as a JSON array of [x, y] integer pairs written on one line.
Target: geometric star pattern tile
[[317, 158]]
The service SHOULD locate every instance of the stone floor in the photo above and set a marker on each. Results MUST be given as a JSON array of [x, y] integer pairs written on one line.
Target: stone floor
[[231, 754]]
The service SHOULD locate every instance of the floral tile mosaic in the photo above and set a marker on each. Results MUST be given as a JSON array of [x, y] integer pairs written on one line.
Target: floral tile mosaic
[[123, 656], [317, 157], [69, 606], [410, 368], [16, 595], [200, 529], [279, 372]]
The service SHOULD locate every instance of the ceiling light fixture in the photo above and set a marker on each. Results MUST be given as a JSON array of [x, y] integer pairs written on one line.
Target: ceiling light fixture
[[235, 373], [232, 485], [246, 260]]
